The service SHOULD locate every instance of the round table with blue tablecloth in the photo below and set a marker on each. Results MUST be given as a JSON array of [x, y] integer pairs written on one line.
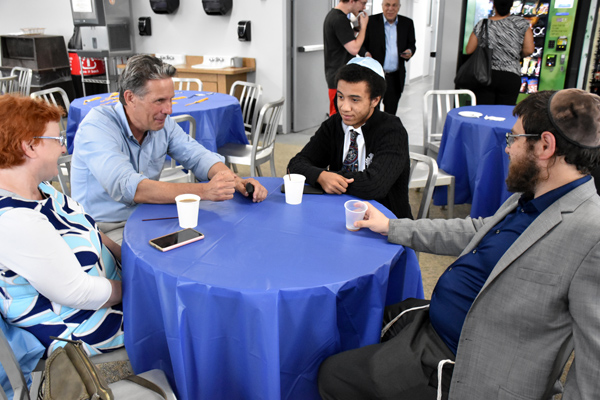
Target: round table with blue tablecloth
[[218, 118], [472, 150], [253, 309]]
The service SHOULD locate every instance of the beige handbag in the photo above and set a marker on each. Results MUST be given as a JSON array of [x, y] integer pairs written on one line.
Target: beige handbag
[[69, 374]]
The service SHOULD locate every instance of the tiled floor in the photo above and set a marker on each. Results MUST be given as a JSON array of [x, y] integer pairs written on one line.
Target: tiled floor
[[410, 112]]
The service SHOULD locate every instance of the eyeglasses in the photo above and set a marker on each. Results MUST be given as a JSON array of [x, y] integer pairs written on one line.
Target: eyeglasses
[[510, 137], [61, 139]]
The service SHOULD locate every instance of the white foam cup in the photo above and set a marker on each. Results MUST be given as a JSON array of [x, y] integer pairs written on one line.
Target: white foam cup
[[355, 211], [294, 187], [187, 210]]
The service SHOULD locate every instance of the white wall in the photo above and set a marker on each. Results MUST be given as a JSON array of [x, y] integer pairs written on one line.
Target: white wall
[[188, 31], [419, 64], [191, 31], [448, 37], [54, 15]]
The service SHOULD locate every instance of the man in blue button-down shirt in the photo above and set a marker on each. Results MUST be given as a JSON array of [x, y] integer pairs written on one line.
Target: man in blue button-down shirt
[[524, 291], [120, 151], [390, 39]]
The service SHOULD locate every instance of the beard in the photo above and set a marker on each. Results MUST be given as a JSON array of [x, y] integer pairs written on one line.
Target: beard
[[523, 174]]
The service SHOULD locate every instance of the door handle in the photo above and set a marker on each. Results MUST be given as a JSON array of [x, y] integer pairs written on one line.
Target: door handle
[[308, 49]]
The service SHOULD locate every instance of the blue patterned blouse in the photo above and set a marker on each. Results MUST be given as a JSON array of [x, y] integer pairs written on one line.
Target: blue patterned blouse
[[22, 305]]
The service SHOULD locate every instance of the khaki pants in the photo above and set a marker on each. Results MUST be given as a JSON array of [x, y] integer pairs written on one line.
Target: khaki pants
[[113, 230]]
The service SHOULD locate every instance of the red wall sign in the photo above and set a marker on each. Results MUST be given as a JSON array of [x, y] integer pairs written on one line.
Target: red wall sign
[[91, 66]]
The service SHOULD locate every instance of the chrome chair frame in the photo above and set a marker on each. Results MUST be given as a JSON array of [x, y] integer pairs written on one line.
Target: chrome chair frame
[[24, 76], [173, 172], [187, 81], [8, 84], [52, 96], [249, 95], [424, 173], [262, 148], [434, 117]]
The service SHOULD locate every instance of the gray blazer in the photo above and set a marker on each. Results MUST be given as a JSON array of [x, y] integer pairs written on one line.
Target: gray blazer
[[541, 298]]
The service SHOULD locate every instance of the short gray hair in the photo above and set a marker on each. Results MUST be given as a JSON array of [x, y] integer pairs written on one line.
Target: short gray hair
[[139, 70]]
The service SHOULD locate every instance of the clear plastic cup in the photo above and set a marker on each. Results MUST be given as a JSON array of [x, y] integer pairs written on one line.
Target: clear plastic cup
[[355, 211]]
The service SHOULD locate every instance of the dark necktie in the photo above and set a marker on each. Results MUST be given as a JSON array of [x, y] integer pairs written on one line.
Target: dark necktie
[[351, 161]]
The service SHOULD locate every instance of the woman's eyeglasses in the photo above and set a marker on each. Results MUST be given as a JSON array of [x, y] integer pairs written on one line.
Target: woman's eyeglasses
[[61, 139]]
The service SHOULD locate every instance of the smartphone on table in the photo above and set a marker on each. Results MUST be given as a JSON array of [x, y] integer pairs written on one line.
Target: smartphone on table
[[176, 239]]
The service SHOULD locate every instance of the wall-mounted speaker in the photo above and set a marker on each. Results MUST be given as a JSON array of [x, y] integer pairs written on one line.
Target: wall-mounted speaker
[[216, 7], [164, 6]]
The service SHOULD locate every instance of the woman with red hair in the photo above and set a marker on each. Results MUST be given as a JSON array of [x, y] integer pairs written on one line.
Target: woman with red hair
[[57, 275]]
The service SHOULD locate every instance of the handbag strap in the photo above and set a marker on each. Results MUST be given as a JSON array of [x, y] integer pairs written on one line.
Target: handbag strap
[[485, 34], [147, 384]]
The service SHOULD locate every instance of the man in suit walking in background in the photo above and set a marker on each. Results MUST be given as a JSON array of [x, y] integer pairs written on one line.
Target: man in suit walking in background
[[390, 39]]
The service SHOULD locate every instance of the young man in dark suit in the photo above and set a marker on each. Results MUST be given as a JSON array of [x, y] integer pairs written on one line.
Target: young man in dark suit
[[390, 39], [360, 150]]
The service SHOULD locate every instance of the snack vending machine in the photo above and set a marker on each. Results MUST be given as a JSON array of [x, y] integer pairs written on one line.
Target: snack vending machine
[[531, 66], [592, 75], [554, 28]]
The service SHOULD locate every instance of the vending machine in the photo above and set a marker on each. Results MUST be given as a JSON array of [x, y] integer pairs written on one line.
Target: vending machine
[[556, 51], [591, 79], [555, 29]]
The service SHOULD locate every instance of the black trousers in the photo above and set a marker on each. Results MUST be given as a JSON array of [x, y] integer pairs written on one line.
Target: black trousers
[[395, 87], [404, 367], [503, 90]]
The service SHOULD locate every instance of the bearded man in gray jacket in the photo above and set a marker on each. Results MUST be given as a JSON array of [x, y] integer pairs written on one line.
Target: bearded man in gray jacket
[[524, 292]]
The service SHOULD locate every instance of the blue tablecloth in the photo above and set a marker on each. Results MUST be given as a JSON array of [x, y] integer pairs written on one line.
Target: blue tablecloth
[[252, 310], [472, 150], [218, 120]]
